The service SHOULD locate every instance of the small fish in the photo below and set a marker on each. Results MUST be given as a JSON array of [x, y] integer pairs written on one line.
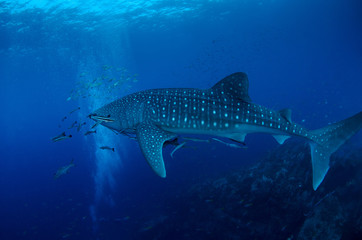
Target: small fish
[[78, 108], [64, 118], [116, 132], [101, 118], [73, 124], [229, 144], [63, 170], [197, 139], [80, 126], [177, 148], [60, 137], [90, 132], [107, 148], [96, 124]]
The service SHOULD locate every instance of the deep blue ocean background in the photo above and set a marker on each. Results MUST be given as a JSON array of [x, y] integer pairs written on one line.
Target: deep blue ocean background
[[303, 54]]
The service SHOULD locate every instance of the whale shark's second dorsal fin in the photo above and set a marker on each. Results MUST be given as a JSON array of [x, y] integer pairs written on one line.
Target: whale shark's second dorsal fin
[[286, 113], [235, 85]]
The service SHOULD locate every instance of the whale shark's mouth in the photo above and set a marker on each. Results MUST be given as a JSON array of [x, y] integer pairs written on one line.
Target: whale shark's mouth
[[97, 118]]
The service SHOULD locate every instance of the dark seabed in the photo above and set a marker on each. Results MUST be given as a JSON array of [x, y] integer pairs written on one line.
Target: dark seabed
[[61, 60]]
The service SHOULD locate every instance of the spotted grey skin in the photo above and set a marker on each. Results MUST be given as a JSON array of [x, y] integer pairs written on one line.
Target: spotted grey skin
[[225, 110]]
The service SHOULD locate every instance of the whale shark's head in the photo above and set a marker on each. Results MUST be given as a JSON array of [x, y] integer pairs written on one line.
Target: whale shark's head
[[109, 116]]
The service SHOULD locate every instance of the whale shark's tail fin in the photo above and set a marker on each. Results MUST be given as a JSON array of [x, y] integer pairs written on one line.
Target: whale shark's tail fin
[[327, 140]]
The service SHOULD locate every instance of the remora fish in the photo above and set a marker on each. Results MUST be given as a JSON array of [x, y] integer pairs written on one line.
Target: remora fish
[[107, 148], [60, 137], [232, 145], [73, 124], [76, 109], [63, 170], [225, 110], [196, 139], [100, 118], [80, 126], [96, 124], [90, 132], [177, 148]]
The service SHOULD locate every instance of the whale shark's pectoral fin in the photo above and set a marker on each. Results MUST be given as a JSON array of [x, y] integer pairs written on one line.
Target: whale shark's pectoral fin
[[151, 139]]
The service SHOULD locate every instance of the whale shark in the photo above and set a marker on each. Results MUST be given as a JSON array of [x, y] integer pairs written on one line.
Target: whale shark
[[156, 116]]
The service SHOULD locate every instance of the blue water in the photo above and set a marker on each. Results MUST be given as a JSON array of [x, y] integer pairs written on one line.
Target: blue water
[[303, 54]]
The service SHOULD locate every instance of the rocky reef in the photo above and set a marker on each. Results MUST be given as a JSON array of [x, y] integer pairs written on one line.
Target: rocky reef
[[272, 200]]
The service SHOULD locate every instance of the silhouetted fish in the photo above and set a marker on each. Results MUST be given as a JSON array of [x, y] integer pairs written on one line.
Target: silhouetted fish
[[60, 137], [90, 132], [96, 124], [73, 124], [177, 148], [63, 170], [232, 145], [74, 110], [80, 126], [107, 148]]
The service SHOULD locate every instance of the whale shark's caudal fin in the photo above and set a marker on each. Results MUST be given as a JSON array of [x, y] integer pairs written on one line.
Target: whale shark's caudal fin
[[327, 140]]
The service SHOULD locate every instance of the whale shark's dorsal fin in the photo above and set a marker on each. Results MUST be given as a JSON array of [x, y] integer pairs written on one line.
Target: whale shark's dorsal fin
[[235, 85]]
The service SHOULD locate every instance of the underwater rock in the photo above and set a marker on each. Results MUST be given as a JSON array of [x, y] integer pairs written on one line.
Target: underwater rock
[[272, 200]]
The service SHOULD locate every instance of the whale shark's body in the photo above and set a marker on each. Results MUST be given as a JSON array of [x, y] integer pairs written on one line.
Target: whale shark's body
[[225, 110]]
